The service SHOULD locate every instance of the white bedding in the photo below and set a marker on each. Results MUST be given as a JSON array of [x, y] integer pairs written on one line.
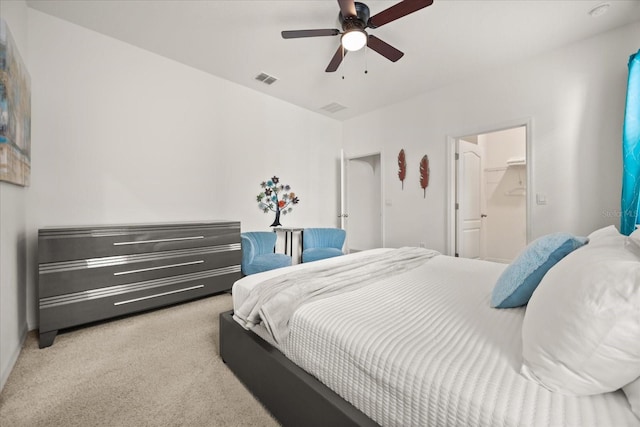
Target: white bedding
[[275, 300], [425, 349]]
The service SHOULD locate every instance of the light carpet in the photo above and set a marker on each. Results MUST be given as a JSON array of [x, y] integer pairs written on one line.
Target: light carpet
[[160, 368]]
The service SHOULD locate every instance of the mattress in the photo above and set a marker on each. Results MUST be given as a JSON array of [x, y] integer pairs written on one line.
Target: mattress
[[424, 348]]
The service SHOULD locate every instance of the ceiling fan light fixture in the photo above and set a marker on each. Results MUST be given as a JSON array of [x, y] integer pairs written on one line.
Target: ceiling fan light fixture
[[354, 39]]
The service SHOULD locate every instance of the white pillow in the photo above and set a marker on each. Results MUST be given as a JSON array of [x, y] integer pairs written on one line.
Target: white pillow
[[632, 391], [606, 236], [581, 329]]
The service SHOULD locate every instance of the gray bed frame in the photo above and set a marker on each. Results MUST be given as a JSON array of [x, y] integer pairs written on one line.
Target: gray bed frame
[[294, 397]]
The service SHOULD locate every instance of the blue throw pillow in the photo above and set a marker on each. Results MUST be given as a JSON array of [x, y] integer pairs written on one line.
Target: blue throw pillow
[[518, 281]]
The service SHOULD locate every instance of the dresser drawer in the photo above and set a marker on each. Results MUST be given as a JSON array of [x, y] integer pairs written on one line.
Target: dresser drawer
[[57, 245], [98, 304], [65, 277]]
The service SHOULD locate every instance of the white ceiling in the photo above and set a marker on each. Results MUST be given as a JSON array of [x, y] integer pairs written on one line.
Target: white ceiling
[[448, 41]]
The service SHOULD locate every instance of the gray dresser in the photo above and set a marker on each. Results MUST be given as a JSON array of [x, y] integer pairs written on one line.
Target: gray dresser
[[94, 273]]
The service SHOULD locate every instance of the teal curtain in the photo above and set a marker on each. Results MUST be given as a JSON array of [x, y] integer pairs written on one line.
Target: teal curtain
[[631, 150]]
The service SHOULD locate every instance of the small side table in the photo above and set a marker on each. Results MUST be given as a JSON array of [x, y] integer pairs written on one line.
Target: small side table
[[288, 237]]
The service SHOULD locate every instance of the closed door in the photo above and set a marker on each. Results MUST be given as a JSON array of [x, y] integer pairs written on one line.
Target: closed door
[[469, 233]]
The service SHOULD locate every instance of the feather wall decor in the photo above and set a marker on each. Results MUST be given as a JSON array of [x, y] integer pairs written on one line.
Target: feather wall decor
[[424, 174], [402, 167]]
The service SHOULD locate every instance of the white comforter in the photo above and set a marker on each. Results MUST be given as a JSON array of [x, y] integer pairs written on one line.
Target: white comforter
[[276, 299], [423, 348]]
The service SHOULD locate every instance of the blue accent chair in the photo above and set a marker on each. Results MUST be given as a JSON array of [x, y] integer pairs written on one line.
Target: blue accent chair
[[321, 243], [258, 255]]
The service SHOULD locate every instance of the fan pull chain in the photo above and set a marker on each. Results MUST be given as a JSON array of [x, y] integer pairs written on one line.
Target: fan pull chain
[[366, 67], [342, 59]]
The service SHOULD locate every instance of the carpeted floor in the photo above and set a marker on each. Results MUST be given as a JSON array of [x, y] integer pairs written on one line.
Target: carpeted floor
[[159, 368]]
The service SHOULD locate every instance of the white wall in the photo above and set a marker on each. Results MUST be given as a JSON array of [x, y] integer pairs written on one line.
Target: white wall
[[506, 205], [121, 135], [13, 228], [575, 98]]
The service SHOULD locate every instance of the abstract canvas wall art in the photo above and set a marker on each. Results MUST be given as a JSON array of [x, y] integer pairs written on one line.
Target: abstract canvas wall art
[[15, 112]]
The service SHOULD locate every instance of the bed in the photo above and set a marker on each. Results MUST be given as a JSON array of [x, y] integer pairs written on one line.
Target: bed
[[416, 347]]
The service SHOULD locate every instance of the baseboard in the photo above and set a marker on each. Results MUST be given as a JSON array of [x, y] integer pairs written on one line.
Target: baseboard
[[4, 376]]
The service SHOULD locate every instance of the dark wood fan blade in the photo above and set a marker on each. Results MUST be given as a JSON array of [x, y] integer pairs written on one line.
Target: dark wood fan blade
[[336, 60], [397, 11], [384, 49], [295, 34], [347, 7]]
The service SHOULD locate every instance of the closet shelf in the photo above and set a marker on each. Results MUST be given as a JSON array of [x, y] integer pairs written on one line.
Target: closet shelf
[[516, 192], [517, 161]]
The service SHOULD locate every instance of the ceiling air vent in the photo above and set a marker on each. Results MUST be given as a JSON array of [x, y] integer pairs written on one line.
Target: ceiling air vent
[[266, 78], [334, 107]]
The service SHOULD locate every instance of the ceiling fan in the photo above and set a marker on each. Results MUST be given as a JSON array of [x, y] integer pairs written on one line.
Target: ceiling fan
[[354, 18]]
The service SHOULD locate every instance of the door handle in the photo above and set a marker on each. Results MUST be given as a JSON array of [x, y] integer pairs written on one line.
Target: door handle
[[483, 215]]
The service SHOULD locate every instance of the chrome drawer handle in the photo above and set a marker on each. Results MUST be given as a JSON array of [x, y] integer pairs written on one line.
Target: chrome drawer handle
[[182, 264], [158, 295], [175, 239]]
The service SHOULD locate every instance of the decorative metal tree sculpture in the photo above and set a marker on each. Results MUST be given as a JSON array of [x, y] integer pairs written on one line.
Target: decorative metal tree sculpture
[[276, 197]]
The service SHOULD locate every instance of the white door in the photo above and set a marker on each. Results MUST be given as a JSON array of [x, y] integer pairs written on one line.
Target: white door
[[343, 194], [361, 199], [469, 200]]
